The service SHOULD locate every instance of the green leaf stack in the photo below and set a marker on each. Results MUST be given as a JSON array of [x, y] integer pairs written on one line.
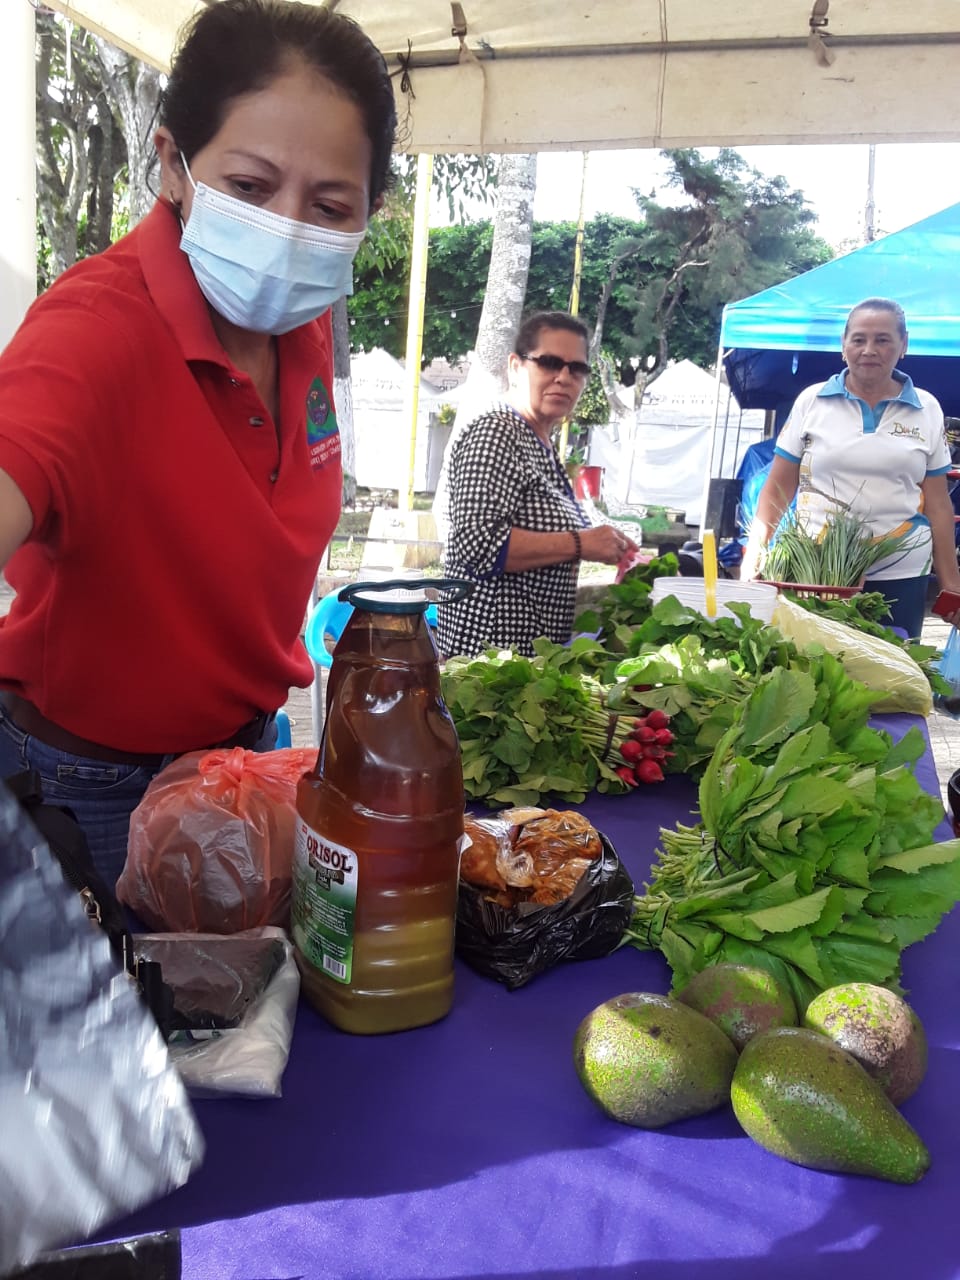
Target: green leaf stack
[[813, 857]]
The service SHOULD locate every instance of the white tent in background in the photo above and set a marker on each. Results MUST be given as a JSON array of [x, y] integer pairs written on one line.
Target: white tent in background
[[379, 423], [659, 455]]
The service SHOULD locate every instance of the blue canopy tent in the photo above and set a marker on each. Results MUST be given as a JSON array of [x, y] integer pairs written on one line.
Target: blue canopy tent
[[779, 341]]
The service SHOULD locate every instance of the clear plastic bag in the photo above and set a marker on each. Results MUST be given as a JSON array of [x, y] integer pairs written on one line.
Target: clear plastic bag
[[211, 842], [949, 669], [96, 1121], [872, 660], [235, 1003]]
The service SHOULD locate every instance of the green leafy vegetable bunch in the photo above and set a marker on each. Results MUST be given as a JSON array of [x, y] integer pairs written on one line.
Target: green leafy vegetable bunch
[[534, 726], [813, 856], [624, 605], [698, 671], [841, 554]]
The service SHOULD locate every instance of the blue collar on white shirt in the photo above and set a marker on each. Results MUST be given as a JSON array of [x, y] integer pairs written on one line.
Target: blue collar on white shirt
[[837, 386], [871, 417]]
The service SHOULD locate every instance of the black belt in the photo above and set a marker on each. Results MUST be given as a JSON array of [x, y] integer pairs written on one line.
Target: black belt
[[32, 721]]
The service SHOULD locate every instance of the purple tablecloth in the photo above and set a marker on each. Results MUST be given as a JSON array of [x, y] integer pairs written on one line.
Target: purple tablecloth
[[469, 1149]]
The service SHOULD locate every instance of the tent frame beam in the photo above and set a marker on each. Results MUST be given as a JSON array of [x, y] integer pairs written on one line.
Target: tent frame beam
[[485, 53]]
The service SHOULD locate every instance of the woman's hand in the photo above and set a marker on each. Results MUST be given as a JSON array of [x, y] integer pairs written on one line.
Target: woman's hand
[[606, 544], [938, 508], [750, 564]]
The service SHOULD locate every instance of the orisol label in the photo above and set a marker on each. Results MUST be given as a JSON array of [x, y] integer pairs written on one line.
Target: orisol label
[[324, 902]]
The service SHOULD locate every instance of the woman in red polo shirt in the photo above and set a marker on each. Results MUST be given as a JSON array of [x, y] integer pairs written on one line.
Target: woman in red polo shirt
[[169, 453]]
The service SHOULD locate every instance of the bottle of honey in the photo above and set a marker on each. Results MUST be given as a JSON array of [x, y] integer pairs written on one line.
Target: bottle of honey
[[380, 822]]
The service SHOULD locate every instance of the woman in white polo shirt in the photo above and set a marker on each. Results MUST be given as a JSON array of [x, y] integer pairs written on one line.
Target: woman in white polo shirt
[[870, 442]]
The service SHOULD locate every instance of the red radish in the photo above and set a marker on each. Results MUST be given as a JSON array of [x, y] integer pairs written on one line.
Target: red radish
[[648, 771], [631, 750], [664, 737], [657, 719], [627, 775], [644, 734]]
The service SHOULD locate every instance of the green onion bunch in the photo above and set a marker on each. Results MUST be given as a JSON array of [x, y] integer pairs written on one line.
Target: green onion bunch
[[841, 555]]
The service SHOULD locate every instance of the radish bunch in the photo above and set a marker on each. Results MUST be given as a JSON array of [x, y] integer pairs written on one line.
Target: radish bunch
[[645, 749]]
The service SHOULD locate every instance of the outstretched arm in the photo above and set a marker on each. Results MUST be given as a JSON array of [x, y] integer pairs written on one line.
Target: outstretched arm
[[16, 518]]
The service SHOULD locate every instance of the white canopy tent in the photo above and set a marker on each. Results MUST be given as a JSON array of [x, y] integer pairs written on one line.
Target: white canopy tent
[[378, 383], [659, 456], [518, 75]]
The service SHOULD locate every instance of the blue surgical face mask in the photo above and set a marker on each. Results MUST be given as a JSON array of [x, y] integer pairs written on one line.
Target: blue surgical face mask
[[259, 270]]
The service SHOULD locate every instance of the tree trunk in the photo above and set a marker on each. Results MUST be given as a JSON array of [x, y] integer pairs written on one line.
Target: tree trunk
[[502, 302], [135, 89], [607, 378], [343, 399], [509, 265], [62, 167]]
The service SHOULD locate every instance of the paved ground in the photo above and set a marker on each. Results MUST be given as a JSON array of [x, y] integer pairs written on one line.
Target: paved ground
[[944, 730]]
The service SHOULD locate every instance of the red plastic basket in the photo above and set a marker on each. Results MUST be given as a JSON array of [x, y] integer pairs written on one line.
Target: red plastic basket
[[807, 589]]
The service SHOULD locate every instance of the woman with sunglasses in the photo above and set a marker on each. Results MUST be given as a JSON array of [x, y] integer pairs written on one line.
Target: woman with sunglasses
[[515, 528]]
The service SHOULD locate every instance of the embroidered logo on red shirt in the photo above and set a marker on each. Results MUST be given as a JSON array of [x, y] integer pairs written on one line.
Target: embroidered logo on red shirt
[[323, 433]]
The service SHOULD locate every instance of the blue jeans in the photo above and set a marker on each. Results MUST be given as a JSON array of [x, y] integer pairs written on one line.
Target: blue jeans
[[907, 598], [101, 796]]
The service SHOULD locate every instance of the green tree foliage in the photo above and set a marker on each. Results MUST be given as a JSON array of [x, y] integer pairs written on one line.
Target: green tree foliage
[[732, 233], [457, 277]]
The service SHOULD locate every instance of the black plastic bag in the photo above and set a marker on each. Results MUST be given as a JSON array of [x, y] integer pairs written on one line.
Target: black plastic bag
[[153, 1257], [514, 944]]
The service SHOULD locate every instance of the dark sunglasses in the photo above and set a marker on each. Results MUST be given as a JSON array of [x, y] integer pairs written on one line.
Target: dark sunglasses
[[553, 364]]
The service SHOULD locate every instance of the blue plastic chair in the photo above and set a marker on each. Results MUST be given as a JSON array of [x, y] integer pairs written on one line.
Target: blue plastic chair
[[328, 618], [284, 738]]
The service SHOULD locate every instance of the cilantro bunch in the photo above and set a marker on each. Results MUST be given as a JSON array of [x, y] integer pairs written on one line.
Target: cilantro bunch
[[534, 726], [813, 857]]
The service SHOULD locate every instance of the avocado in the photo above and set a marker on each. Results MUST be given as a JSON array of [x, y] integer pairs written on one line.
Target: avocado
[[741, 999], [801, 1096], [647, 1060], [881, 1031]]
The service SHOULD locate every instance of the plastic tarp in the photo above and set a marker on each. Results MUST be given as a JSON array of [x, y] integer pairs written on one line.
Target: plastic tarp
[[779, 341]]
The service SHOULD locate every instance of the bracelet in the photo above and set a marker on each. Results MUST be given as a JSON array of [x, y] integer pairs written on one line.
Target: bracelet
[[577, 546]]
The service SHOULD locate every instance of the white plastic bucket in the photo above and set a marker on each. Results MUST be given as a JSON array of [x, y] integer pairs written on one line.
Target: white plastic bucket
[[761, 597]]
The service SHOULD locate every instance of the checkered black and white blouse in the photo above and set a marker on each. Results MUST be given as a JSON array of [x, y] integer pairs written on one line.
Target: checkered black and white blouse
[[500, 476]]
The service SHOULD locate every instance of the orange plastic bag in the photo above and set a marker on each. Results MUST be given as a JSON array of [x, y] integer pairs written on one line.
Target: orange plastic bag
[[211, 842]]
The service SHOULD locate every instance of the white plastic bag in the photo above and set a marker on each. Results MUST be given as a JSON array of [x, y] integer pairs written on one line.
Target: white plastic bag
[[872, 660], [249, 1057]]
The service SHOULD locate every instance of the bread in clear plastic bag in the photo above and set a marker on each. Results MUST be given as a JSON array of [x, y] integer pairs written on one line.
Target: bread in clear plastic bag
[[571, 908]]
